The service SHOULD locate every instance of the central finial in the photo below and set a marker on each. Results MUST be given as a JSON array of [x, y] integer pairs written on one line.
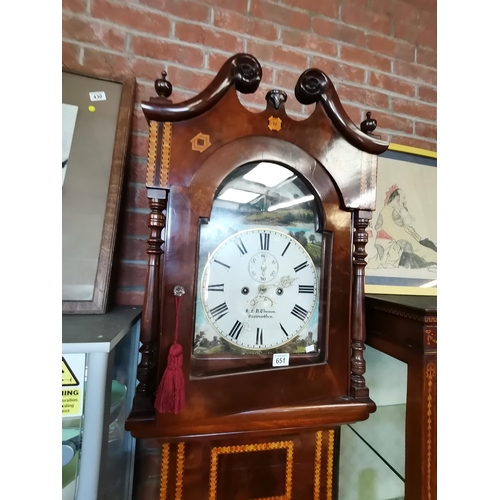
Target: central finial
[[276, 98]]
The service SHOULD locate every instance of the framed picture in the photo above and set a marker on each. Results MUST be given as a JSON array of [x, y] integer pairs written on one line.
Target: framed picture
[[96, 119], [402, 235]]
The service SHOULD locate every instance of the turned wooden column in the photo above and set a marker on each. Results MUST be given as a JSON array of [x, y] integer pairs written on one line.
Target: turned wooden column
[[158, 164], [150, 325], [358, 336]]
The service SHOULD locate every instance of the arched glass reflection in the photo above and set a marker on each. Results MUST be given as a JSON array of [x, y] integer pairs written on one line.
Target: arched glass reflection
[[261, 210]]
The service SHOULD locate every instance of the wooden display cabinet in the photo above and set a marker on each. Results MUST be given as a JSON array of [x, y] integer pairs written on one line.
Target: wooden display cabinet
[[405, 327]]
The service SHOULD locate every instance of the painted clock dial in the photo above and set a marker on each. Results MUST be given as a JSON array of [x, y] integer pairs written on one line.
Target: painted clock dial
[[259, 289]]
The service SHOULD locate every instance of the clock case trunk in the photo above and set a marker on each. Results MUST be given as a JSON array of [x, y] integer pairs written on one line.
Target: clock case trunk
[[193, 147]]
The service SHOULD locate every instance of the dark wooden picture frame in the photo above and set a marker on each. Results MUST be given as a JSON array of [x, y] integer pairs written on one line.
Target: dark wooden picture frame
[[101, 253]]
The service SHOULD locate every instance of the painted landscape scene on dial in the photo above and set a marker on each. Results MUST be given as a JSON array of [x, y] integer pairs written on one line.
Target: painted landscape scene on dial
[[297, 223]]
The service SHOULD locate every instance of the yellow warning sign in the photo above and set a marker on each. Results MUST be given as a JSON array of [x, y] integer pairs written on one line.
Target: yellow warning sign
[[71, 402], [68, 377], [72, 388]]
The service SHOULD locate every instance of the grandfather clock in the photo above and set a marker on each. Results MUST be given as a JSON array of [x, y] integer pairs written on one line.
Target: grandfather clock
[[253, 324]]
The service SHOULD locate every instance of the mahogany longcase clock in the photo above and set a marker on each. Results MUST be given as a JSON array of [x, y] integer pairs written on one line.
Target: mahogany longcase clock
[[256, 270]]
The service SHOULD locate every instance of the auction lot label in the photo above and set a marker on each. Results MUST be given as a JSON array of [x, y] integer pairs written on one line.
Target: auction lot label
[[73, 373]]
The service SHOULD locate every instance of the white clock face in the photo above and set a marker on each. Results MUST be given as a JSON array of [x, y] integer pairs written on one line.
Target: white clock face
[[259, 289]]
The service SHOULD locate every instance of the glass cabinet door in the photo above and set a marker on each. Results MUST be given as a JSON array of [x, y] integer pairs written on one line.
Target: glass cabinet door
[[74, 367], [120, 444], [372, 452]]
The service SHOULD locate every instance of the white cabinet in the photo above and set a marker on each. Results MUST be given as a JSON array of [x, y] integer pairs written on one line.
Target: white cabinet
[[98, 454]]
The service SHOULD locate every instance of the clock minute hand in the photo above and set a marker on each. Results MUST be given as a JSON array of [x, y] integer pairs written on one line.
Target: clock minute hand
[[285, 282]]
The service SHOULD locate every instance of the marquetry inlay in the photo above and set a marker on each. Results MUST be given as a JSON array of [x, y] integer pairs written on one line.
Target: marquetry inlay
[[164, 471], [159, 152], [430, 336], [274, 123], [179, 477], [180, 471], [200, 142], [329, 465], [152, 147], [430, 374], [276, 445], [317, 465], [425, 319], [166, 152]]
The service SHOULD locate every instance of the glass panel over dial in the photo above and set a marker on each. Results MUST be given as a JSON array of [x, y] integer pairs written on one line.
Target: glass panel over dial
[[259, 267]]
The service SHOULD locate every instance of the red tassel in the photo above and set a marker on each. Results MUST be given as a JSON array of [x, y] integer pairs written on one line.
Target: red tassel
[[170, 397]]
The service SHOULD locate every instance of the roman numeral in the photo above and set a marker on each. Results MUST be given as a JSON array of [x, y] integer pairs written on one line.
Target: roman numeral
[[216, 288], [258, 337], [264, 241], [300, 266], [222, 263], [299, 312], [306, 288], [241, 246], [283, 330], [286, 248], [219, 312], [236, 330]]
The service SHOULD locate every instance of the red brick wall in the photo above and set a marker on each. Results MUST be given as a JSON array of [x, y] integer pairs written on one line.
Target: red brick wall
[[380, 54]]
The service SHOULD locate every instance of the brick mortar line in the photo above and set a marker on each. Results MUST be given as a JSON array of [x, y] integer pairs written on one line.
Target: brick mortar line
[[127, 42], [405, 134], [276, 42], [175, 19], [291, 7], [365, 31], [338, 19], [272, 63]]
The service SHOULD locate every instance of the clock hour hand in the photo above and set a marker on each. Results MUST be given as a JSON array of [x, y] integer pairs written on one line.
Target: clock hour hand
[[261, 297]]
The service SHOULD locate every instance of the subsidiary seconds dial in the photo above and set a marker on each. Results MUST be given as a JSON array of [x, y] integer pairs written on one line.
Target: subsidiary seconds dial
[[259, 288]]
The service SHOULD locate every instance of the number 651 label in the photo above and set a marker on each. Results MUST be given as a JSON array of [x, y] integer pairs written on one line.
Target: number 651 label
[[281, 359]]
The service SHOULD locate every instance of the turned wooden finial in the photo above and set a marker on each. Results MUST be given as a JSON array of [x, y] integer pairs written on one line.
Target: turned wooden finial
[[162, 86], [369, 125], [276, 98]]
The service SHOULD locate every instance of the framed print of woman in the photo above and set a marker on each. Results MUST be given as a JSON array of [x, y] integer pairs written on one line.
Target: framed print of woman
[[397, 243]]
